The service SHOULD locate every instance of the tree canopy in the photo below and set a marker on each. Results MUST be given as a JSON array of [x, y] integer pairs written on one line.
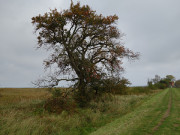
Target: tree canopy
[[85, 46], [177, 84], [171, 78], [161, 83]]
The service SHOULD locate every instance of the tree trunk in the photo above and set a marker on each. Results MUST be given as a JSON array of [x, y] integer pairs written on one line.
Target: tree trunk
[[82, 95]]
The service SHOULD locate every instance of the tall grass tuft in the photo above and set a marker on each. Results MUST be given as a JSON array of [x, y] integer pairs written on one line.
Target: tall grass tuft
[[22, 112]]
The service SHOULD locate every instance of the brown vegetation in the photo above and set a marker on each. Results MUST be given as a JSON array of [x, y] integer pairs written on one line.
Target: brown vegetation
[[85, 46]]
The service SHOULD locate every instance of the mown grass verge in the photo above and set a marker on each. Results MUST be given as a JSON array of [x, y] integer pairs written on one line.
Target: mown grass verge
[[147, 116], [171, 125]]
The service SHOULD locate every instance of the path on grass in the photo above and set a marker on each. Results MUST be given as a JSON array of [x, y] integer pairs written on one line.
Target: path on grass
[[159, 115], [166, 114]]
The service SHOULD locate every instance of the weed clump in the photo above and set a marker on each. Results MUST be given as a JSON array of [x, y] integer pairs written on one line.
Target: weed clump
[[59, 102]]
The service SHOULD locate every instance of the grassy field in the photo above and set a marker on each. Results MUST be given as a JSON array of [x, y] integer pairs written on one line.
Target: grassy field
[[159, 116], [22, 113]]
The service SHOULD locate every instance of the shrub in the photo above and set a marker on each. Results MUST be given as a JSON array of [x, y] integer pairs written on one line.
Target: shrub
[[114, 85], [177, 84], [59, 101], [59, 104], [139, 90]]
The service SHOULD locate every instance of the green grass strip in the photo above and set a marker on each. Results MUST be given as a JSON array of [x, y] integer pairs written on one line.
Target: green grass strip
[[140, 121]]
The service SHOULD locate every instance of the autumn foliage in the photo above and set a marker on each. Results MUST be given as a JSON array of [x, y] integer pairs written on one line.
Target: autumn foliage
[[86, 46]]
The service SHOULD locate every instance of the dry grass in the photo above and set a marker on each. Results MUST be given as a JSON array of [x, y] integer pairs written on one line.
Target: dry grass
[[19, 95], [21, 112]]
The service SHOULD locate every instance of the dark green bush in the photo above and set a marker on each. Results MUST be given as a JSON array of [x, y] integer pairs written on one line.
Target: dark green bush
[[177, 84], [115, 85], [139, 90]]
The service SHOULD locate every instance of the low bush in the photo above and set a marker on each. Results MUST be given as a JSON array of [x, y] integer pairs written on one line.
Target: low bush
[[59, 101], [177, 84], [139, 90], [110, 85], [59, 104]]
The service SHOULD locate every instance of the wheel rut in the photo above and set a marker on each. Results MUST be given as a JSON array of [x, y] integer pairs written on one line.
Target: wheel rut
[[166, 114]]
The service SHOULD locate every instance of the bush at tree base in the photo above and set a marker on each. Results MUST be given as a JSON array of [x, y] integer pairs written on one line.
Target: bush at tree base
[[84, 45]]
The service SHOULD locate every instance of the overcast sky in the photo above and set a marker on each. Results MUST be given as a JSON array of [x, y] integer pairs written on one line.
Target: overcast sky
[[152, 27]]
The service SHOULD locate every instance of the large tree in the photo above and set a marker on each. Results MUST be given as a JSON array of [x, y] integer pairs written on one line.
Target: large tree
[[85, 46]]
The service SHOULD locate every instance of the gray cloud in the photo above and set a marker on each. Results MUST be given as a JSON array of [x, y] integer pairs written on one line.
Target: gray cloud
[[152, 28]]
